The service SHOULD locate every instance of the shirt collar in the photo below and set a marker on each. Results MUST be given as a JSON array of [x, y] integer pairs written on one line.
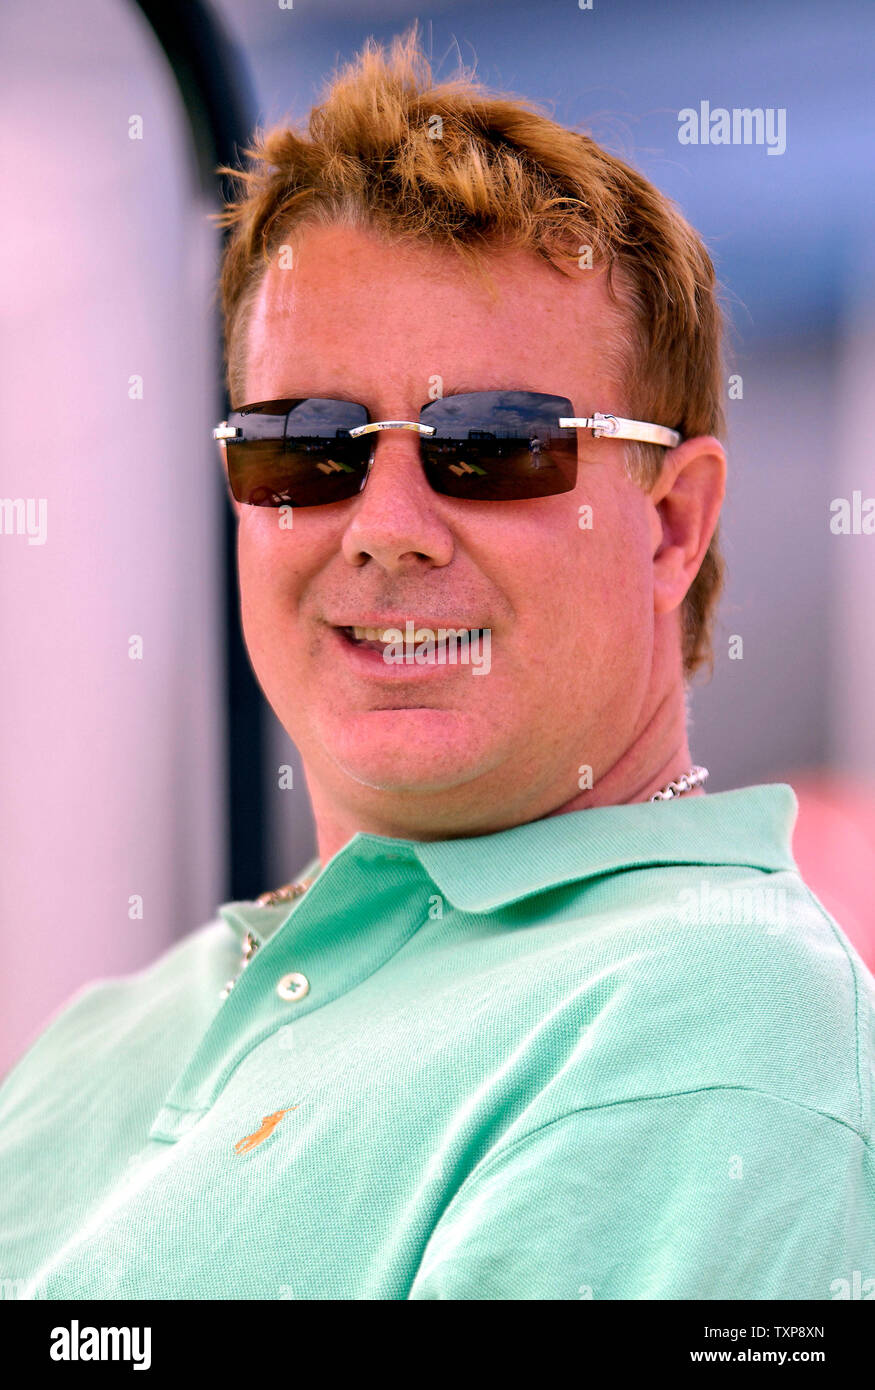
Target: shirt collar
[[751, 826]]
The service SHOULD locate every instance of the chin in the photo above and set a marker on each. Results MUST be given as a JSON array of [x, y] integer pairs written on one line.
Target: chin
[[408, 750]]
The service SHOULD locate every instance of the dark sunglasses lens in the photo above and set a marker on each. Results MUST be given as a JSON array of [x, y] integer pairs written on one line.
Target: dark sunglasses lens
[[499, 446], [297, 452]]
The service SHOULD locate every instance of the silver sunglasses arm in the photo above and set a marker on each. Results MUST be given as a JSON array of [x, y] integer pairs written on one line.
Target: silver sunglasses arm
[[616, 427]]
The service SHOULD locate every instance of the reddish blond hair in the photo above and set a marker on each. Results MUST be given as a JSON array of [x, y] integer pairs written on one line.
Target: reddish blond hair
[[501, 171]]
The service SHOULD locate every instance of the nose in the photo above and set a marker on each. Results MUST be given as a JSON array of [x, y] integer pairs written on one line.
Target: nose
[[397, 519]]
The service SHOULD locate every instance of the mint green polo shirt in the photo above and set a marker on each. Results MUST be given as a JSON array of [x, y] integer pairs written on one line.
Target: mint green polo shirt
[[620, 1053]]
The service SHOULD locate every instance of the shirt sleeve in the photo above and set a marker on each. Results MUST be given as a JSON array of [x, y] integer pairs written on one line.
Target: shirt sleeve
[[723, 1193]]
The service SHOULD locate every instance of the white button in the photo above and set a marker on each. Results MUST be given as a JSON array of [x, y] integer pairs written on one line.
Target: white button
[[293, 986]]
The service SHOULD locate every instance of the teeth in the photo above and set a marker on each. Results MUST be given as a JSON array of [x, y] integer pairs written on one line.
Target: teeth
[[376, 634]]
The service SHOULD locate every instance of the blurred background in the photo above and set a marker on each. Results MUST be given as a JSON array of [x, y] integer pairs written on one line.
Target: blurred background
[[139, 760]]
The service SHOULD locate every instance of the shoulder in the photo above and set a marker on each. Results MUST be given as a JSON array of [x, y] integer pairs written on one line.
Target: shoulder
[[177, 987], [714, 977]]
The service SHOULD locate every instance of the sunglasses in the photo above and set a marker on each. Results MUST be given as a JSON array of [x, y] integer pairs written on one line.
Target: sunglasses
[[487, 446]]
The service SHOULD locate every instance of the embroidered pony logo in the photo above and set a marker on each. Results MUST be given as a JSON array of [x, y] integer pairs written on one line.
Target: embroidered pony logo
[[268, 1125]]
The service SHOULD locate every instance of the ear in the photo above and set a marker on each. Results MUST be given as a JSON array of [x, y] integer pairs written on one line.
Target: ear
[[686, 500]]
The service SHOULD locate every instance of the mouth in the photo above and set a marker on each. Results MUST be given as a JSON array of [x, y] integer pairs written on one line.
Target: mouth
[[379, 638], [411, 651]]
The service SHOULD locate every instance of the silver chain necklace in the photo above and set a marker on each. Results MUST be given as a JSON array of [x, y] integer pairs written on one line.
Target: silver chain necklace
[[694, 778], [250, 942]]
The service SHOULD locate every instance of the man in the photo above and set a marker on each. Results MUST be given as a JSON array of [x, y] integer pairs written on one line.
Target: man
[[542, 1020]]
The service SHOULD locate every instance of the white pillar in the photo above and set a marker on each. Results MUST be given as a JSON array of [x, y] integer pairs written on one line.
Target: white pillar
[[112, 768]]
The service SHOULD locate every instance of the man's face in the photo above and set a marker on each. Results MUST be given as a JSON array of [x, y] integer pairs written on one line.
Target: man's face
[[438, 750]]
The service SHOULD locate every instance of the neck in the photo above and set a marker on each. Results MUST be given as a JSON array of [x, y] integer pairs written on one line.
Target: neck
[[657, 754]]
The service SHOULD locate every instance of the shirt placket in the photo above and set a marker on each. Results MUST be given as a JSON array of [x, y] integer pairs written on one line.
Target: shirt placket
[[332, 940]]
